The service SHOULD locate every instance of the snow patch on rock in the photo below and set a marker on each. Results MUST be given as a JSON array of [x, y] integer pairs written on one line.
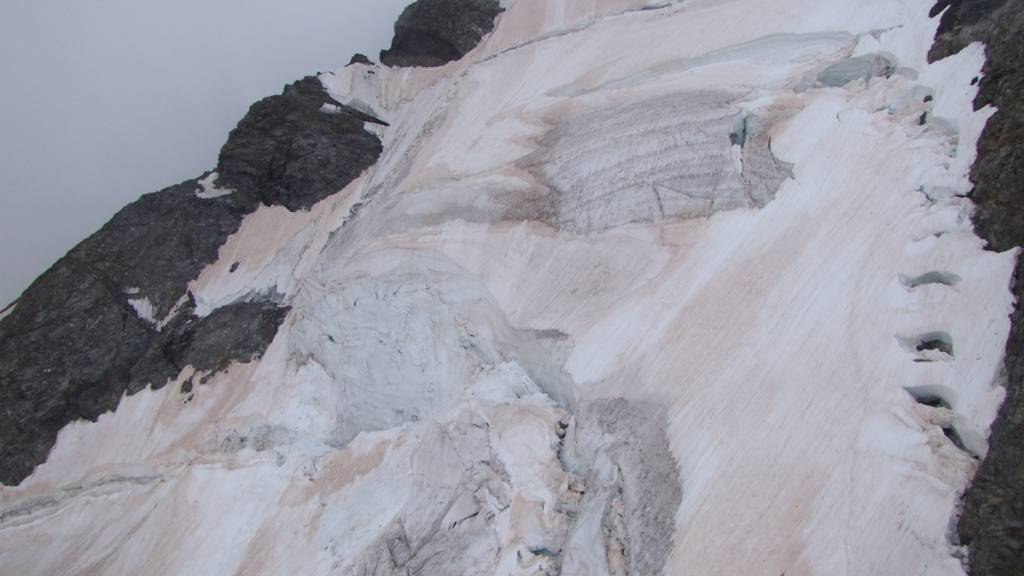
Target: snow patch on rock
[[208, 188], [7, 311], [144, 308]]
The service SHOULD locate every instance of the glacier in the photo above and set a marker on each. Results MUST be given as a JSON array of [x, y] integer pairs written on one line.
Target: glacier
[[634, 287]]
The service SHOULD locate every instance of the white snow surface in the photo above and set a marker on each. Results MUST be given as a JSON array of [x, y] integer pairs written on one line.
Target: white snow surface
[[208, 188], [467, 328], [144, 308], [7, 311]]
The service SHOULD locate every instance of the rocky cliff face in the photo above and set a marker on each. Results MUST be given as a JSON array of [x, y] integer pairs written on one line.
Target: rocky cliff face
[[115, 314], [614, 288], [993, 521], [435, 32]]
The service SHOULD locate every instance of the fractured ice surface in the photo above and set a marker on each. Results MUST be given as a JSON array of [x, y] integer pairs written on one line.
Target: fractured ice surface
[[686, 155], [689, 289], [858, 68]]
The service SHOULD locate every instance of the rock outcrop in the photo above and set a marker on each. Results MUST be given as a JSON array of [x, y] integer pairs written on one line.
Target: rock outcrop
[[435, 32], [113, 315], [992, 524], [295, 149], [238, 332]]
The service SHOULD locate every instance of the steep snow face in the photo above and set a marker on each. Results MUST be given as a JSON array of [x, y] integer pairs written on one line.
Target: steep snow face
[[634, 288]]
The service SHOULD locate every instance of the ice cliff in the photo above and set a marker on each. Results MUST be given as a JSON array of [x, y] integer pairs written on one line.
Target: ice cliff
[[580, 287]]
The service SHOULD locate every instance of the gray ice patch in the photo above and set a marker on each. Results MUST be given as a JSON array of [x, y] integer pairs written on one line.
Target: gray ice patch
[[683, 156], [859, 68], [626, 519]]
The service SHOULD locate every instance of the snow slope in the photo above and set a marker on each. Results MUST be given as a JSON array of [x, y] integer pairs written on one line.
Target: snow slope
[[635, 287]]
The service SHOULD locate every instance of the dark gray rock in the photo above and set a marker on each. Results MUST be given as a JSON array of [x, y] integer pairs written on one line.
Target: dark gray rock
[[160, 242], [435, 32], [74, 344], [992, 524], [237, 332], [358, 58], [68, 347], [291, 151], [66, 352]]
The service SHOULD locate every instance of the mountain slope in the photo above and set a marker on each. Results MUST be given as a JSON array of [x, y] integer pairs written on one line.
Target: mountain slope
[[628, 288]]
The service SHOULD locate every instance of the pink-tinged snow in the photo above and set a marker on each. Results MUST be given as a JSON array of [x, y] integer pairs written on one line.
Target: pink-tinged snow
[[445, 327]]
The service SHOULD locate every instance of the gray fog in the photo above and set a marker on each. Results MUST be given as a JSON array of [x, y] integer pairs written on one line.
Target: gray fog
[[102, 101]]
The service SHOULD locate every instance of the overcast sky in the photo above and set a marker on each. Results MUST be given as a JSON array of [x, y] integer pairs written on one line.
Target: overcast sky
[[104, 100]]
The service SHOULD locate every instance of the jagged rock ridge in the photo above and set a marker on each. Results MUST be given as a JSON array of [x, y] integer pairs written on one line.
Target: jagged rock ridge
[[296, 149], [89, 329], [435, 32]]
